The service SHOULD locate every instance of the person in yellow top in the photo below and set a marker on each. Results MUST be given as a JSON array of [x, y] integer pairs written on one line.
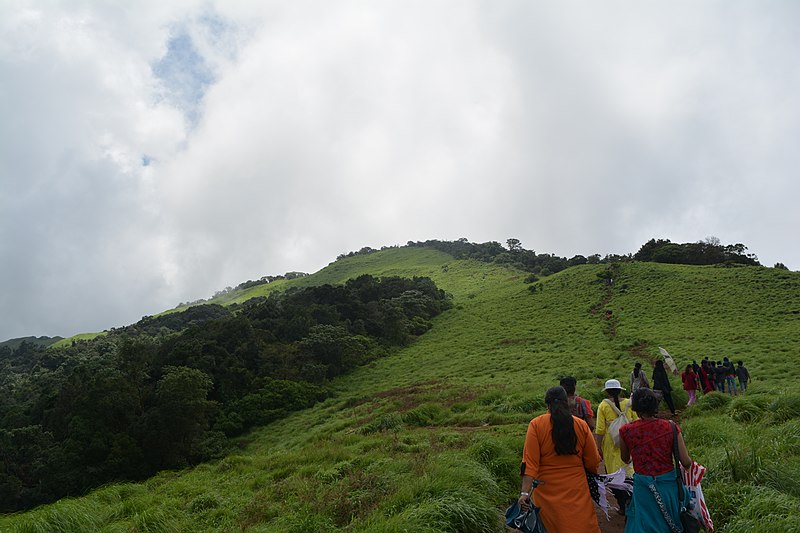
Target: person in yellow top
[[608, 411]]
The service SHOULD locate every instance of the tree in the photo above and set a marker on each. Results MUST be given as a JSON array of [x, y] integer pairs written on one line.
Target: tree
[[182, 414]]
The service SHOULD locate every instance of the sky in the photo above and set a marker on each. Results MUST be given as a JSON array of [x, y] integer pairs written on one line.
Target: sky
[[156, 152]]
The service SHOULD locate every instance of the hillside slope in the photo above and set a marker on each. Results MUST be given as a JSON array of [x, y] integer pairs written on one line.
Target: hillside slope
[[429, 439]]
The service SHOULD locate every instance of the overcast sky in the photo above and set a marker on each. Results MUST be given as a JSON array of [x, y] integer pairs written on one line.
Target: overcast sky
[[154, 152]]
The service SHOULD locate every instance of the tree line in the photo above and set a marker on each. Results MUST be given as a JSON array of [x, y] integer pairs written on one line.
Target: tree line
[[169, 391]]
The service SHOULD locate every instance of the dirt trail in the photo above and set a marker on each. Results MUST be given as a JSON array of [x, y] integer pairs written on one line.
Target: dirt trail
[[615, 523]]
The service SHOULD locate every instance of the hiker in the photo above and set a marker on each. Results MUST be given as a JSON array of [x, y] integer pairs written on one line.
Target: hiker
[[580, 407], [638, 378], [689, 379], [719, 377], [661, 383], [649, 441], [609, 412], [730, 376], [705, 377], [743, 375], [559, 449]]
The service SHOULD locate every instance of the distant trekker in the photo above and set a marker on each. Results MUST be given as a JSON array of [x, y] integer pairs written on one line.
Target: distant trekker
[[638, 378], [730, 375], [661, 383], [743, 375], [580, 407], [719, 377], [690, 383]]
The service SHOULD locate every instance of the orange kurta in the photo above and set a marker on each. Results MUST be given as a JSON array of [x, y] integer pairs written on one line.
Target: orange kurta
[[564, 497]]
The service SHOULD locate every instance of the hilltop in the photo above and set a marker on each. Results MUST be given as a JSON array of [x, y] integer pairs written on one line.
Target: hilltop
[[428, 438]]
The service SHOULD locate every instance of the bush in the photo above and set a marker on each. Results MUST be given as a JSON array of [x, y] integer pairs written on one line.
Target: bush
[[711, 402], [427, 414], [785, 407], [782, 475], [725, 499], [747, 409], [391, 421]]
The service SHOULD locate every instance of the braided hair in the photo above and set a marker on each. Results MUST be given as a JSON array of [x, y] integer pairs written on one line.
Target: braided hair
[[565, 439]]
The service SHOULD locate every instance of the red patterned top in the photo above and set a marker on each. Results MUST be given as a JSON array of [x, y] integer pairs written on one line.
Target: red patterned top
[[650, 443]]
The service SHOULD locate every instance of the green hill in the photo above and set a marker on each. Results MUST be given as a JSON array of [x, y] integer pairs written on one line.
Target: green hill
[[429, 439], [13, 344]]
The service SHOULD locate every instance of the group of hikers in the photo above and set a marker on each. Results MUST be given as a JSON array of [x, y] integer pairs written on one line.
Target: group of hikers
[[569, 447], [708, 376]]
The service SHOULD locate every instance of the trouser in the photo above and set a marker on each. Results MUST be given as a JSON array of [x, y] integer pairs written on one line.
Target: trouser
[[731, 384], [743, 385], [668, 398], [623, 497], [692, 396]]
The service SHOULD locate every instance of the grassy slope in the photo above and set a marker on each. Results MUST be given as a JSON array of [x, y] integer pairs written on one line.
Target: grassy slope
[[429, 439]]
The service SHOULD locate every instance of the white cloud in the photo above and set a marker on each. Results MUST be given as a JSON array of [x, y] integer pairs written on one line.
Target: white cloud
[[157, 152]]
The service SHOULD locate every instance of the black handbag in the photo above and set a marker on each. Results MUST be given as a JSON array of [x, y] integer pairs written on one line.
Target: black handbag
[[525, 521]]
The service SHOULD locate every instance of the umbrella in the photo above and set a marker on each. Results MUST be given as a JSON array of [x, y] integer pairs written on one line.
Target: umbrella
[[669, 360]]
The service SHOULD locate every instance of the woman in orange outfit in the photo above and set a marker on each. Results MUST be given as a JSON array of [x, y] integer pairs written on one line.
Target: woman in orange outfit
[[558, 447]]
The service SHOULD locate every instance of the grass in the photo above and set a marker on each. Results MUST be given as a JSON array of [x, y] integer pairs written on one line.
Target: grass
[[63, 343], [429, 439]]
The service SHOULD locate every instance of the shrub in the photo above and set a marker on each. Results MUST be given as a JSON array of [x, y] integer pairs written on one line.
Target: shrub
[[427, 414], [709, 431], [502, 462], [782, 475], [711, 402], [785, 407], [390, 421], [765, 501], [746, 409], [725, 499]]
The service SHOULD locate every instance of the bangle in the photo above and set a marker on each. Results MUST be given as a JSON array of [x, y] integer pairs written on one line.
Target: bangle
[[524, 493]]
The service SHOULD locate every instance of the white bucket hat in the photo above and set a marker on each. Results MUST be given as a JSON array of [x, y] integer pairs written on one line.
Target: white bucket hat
[[613, 384]]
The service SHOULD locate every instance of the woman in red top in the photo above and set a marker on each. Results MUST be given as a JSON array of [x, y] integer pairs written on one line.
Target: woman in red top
[[649, 442], [689, 378]]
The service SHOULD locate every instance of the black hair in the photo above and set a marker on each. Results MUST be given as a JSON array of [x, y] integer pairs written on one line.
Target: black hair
[[637, 368], [569, 383], [614, 394], [644, 402], [565, 439], [740, 363]]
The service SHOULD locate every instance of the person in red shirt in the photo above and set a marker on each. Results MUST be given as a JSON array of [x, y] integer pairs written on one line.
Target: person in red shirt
[[649, 442], [690, 383], [580, 407]]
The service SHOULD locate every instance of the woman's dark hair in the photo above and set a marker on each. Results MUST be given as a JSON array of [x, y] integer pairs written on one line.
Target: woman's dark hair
[[644, 402], [614, 394], [564, 437], [636, 369], [689, 367]]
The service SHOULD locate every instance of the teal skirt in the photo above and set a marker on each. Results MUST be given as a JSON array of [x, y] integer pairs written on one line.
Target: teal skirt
[[643, 513]]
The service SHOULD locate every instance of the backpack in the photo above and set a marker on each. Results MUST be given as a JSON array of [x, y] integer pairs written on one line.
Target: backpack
[[621, 420], [579, 409]]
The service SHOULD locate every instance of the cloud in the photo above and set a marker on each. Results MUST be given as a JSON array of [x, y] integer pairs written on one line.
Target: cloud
[[156, 153]]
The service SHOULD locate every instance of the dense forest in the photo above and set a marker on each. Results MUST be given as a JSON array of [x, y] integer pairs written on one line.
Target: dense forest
[[169, 391]]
